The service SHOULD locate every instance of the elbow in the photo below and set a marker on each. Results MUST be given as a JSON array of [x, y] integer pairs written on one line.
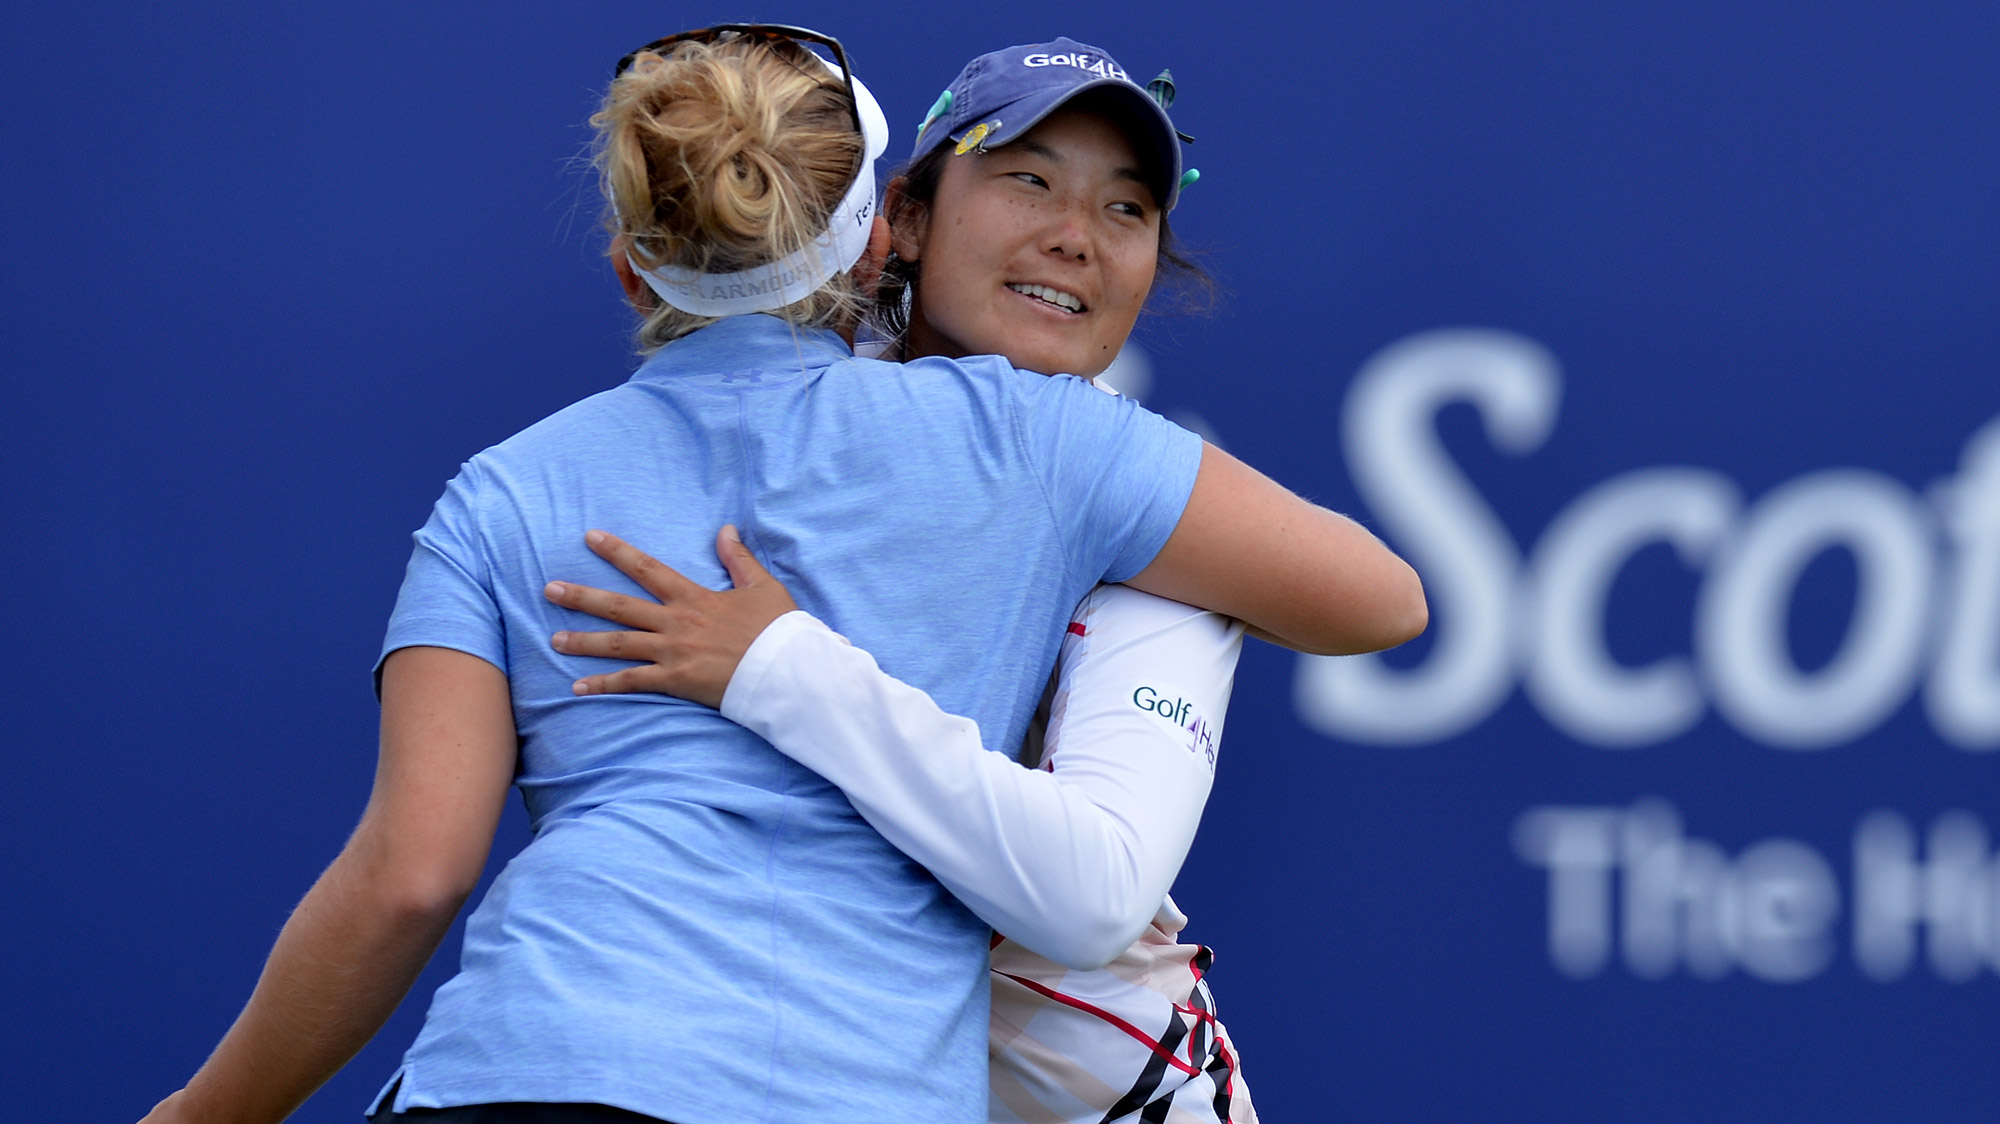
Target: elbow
[[1409, 613], [1402, 619], [417, 890], [419, 899], [1087, 954], [1396, 614], [426, 898], [1099, 934]]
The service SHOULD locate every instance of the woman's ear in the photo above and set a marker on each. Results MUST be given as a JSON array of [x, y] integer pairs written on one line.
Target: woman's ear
[[909, 220], [629, 279], [867, 271]]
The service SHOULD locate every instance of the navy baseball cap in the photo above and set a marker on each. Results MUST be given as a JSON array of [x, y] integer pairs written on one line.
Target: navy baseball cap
[[1003, 94]]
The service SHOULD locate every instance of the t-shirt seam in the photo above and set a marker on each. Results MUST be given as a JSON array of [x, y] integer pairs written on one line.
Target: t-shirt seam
[[482, 546], [483, 541], [774, 925]]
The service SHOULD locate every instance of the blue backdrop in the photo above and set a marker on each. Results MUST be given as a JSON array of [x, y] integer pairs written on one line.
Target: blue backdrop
[[1664, 342]]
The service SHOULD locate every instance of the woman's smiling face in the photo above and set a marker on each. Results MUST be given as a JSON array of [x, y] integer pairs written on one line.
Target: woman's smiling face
[[1042, 251]]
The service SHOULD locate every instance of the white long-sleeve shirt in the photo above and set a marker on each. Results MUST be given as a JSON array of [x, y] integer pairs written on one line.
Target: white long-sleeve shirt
[[1071, 861]]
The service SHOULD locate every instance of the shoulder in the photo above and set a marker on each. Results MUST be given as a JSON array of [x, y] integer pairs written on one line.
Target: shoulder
[[607, 426], [583, 419], [995, 370], [975, 377], [982, 390], [986, 369], [1119, 631]]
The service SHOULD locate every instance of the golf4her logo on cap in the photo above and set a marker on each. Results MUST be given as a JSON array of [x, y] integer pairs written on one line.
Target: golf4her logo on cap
[[1085, 61]]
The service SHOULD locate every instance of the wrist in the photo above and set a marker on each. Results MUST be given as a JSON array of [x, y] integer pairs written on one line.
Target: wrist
[[763, 653]]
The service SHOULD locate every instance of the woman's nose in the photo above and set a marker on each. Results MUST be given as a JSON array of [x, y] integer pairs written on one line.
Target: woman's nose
[[1069, 237]]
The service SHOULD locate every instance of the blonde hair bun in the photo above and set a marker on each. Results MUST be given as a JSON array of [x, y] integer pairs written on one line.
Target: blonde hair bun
[[717, 157]]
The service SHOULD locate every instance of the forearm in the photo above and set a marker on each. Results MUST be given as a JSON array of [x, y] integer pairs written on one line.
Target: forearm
[[1298, 574], [1380, 598], [340, 966], [365, 930], [1071, 867]]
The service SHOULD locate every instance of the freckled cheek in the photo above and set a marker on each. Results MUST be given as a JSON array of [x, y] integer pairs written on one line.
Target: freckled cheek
[[1123, 291], [1135, 277]]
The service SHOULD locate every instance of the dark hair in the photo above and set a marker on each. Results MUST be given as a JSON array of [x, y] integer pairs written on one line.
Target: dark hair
[[1180, 285]]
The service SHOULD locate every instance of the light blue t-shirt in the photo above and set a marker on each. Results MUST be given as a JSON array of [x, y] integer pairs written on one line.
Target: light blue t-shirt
[[702, 930]]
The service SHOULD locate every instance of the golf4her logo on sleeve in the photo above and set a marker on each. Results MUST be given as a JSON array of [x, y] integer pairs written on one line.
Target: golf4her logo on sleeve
[[1179, 710]]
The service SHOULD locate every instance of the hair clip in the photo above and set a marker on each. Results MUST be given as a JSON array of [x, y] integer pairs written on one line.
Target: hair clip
[[1188, 177], [975, 137], [939, 108]]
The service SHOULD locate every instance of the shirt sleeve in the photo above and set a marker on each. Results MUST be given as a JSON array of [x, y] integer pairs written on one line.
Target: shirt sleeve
[[1117, 476], [1071, 861], [447, 597]]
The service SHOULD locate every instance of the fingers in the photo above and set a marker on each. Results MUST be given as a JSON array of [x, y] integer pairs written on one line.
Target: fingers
[[610, 645], [615, 607], [743, 567], [653, 575], [652, 676], [650, 679]]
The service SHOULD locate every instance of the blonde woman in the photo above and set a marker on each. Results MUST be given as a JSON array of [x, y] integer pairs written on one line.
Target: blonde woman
[[702, 930]]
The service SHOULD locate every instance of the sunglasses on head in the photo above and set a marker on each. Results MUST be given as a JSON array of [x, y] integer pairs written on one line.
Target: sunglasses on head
[[771, 33]]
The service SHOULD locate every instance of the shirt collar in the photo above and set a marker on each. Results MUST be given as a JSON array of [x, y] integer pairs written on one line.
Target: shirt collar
[[756, 341]]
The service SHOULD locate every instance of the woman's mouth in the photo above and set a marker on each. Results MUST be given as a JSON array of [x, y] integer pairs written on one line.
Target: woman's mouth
[[1068, 302]]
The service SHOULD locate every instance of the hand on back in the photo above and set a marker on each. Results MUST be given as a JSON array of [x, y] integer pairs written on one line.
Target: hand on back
[[687, 643]]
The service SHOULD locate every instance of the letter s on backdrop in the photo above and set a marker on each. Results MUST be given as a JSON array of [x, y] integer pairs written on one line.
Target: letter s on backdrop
[[1434, 515]]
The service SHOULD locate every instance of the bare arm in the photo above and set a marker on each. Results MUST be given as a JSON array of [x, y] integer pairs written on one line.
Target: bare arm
[[367, 927], [1298, 574]]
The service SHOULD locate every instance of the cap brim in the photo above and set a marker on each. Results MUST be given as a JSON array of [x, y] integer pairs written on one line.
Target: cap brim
[[1153, 133]]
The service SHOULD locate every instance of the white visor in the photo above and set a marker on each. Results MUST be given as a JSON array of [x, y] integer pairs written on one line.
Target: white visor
[[797, 275]]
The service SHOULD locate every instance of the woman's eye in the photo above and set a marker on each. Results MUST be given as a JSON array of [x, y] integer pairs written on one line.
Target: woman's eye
[[1029, 178], [1132, 209]]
